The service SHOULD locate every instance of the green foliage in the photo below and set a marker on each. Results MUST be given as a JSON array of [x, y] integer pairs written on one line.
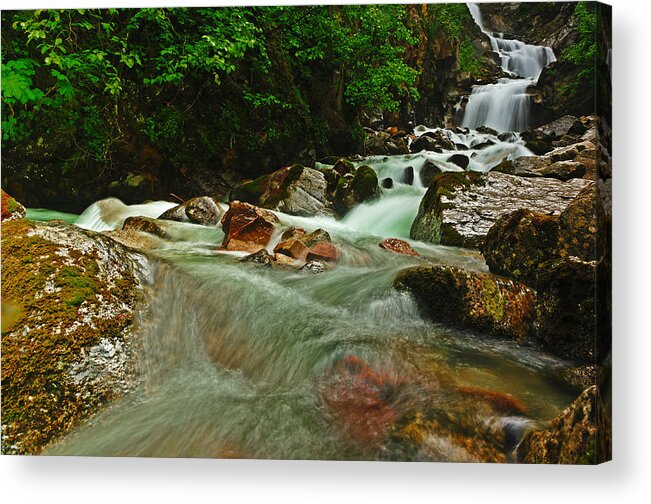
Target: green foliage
[[583, 52]]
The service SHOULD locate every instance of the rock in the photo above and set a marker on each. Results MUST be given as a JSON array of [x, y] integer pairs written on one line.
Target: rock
[[435, 141], [331, 177], [559, 127], [538, 147], [460, 160], [428, 172], [68, 348], [375, 144], [460, 207], [524, 166], [260, 258], [318, 235], [408, 175], [387, 183], [343, 167], [145, 224], [564, 170], [482, 145], [293, 248], [397, 146], [287, 262], [566, 140], [486, 130], [355, 188], [11, 209], [292, 232], [398, 246], [247, 227], [133, 239], [202, 210], [479, 301], [569, 152], [559, 256], [314, 267], [324, 251], [581, 434], [357, 397], [295, 190]]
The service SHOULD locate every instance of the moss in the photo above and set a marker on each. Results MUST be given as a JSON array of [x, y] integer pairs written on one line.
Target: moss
[[364, 183], [249, 192], [39, 400], [492, 299]]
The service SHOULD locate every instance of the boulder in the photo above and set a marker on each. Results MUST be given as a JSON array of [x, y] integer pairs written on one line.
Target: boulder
[[202, 210], [343, 167], [581, 434], [398, 246], [559, 127], [560, 256], [397, 145], [459, 208], [295, 190], [387, 183], [331, 177], [408, 175], [479, 301], [460, 160], [318, 235], [69, 301], [324, 251], [314, 267], [259, 258], [435, 141], [287, 262], [145, 224], [292, 232], [11, 209], [428, 172], [524, 166], [564, 170], [355, 188], [247, 227]]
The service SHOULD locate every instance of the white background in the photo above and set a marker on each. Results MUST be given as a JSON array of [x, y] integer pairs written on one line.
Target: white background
[[627, 479]]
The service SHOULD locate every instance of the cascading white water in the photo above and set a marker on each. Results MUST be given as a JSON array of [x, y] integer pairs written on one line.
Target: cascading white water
[[505, 105]]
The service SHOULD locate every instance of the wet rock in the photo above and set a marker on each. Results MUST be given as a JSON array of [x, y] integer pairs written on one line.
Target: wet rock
[[132, 238], [387, 183], [479, 301], [581, 434], [11, 209], [486, 130], [68, 349], [145, 224], [260, 258], [559, 127], [408, 175], [398, 246], [435, 141], [293, 248], [353, 189], [460, 160], [344, 166], [375, 143], [324, 251], [202, 210], [483, 145], [287, 262], [560, 256], [318, 235], [292, 232], [314, 267], [295, 190], [524, 166], [397, 146], [460, 207], [247, 227], [331, 177], [358, 398], [428, 172]]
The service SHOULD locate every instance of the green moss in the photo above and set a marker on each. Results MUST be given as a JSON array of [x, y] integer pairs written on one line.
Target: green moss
[[492, 298], [590, 455], [364, 183], [249, 192], [39, 401]]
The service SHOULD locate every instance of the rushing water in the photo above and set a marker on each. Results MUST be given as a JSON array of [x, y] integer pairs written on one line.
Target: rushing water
[[242, 361], [505, 105]]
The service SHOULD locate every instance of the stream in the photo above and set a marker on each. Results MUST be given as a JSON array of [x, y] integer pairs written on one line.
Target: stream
[[247, 362]]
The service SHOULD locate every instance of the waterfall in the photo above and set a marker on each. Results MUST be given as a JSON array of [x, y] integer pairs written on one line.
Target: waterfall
[[505, 105]]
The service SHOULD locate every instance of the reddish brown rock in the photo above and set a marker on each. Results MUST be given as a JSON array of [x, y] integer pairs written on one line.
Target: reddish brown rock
[[292, 232], [398, 246], [293, 248], [324, 251], [247, 227]]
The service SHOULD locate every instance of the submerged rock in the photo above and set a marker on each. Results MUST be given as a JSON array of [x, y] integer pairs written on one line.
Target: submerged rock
[[461, 160], [460, 207], [11, 209], [480, 301], [295, 190], [314, 267], [324, 251], [202, 210], [398, 246], [68, 348], [581, 434], [247, 227]]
